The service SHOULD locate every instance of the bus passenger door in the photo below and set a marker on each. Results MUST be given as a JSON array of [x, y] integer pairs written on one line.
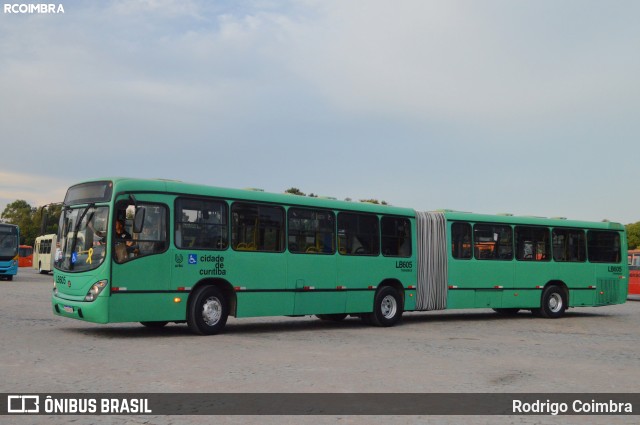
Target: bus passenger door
[[141, 273]]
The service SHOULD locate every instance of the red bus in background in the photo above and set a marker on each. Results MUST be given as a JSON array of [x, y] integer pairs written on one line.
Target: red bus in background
[[25, 256], [634, 272]]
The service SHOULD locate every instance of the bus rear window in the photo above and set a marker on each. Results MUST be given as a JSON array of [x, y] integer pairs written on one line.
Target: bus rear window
[[603, 246]]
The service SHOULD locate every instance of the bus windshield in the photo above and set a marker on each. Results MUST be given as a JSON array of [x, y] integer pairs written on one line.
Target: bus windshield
[[8, 242], [82, 238]]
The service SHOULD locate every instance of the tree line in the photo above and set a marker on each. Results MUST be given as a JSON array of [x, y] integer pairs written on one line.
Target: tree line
[[30, 219]]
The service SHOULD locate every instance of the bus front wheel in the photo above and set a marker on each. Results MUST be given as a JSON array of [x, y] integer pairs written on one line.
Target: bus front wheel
[[387, 307], [208, 311]]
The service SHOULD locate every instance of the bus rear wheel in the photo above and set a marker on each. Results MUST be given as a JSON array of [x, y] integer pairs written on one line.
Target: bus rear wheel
[[208, 311], [553, 302], [387, 307]]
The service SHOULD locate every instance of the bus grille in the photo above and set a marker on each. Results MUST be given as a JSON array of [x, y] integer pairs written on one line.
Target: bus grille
[[607, 291]]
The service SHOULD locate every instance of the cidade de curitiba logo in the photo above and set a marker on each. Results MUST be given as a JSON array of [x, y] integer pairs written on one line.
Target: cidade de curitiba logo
[[31, 8]]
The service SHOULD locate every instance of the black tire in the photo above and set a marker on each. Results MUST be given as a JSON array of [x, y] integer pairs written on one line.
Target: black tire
[[332, 317], [154, 325], [553, 302], [506, 311], [208, 311], [10, 278], [40, 269], [387, 307]]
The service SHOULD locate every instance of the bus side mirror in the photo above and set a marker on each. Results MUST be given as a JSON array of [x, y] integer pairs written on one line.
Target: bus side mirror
[[138, 220]]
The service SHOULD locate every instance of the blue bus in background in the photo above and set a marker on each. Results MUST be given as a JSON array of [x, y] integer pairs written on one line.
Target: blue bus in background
[[9, 242]]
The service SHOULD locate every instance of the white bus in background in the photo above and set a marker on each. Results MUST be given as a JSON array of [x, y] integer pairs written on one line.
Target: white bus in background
[[44, 250]]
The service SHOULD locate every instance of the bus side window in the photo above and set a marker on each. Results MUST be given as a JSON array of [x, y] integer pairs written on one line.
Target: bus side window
[[396, 237], [492, 242], [569, 245], [461, 240], [201, 224], [152, 239], [311, 231], [358, 234], [257, 227], [532, 243]]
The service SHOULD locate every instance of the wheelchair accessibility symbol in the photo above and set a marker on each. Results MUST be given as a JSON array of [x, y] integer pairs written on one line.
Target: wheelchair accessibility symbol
[[193, 258]]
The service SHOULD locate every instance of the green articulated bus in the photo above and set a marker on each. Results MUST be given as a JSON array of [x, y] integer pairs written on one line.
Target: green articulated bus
[[157, 251]]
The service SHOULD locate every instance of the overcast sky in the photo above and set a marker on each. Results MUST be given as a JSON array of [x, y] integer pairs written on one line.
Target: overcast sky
[[525, 107]]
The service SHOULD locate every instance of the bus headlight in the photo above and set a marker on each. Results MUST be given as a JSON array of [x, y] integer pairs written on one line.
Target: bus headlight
[[95, 290], [55, 289]]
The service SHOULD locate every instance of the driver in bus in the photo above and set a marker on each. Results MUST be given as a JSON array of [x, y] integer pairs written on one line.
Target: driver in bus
[[121, 233], [123, 241]]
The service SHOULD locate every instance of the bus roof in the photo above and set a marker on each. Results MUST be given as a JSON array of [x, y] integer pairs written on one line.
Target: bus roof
[[528, 220], [126, 184], [122, 184]]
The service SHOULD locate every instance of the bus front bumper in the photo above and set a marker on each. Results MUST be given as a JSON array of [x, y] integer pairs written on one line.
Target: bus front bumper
[[8, 270], [96, 311]]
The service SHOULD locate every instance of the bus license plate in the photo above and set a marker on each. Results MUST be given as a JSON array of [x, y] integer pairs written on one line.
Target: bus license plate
[[68, 309]]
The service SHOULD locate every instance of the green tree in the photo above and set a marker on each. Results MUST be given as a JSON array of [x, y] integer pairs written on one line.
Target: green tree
[[295, 191], [29, 219], [21, 213], [633, 235], [374, 201]]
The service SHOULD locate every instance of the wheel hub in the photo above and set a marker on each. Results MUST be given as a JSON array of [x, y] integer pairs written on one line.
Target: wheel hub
[[211, 311]]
